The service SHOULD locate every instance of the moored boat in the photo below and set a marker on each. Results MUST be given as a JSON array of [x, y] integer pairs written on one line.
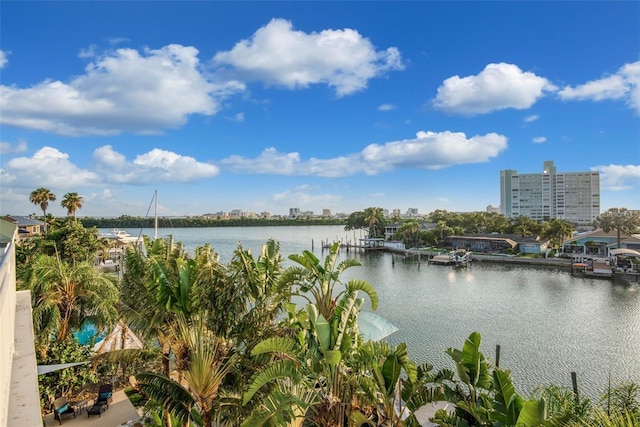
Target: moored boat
[[119, 235], [458, 257]]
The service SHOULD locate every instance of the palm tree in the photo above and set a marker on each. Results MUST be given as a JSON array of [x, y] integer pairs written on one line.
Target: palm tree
[[620, 219], [557, 230], [42, 196], [72, 202], [208, 362], [65, 295], [525, 226], [410, 232], [374, 219], [154, 292]]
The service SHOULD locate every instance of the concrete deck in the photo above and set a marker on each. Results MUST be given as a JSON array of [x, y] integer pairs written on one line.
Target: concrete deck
[[24, 401], [120, 412]]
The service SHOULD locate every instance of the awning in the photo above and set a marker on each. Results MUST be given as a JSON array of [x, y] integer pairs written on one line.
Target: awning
[[45, 369], [373, 327], [120, 338], [624, 251]]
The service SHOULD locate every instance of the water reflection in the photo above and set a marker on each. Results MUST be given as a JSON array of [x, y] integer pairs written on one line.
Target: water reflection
[[547, 322]]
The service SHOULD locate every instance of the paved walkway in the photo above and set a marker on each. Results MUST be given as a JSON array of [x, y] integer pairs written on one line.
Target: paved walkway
[[120, 411]]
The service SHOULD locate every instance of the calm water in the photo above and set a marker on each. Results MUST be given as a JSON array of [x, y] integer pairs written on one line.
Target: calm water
[[547, 323]]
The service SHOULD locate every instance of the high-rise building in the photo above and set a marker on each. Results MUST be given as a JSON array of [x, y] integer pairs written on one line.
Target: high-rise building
[[572, 196], [294, 212], [412, 212]]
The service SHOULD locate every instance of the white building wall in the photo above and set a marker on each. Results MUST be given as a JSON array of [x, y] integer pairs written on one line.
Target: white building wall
[[572, 196], [7, 315]]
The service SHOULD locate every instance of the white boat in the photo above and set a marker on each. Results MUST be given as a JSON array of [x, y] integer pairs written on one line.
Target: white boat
[[119, 235], [458, 257]]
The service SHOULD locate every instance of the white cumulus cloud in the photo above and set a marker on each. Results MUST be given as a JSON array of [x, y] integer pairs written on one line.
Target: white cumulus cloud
[[497, 87], [617, 177], [429, 150], [531, 118], [154, 166], [625, 84], [124, 90], [433, 150], [539, 139], [6, 176], [276, 54], [51, 167]]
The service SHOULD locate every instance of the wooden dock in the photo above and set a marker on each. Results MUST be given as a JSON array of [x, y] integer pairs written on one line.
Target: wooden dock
[[593, 268]]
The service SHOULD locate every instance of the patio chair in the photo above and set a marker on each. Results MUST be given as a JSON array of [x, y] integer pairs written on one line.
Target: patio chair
[[101, 404], [62, 408]]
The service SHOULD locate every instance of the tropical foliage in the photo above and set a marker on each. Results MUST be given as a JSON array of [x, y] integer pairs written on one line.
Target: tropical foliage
[[254, 343], [65, 381], [622, 220], [72, 202], [42, 196], [65, 296], [371, 219]]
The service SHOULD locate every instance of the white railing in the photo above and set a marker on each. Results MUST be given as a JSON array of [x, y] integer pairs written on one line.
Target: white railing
[[7, 315]]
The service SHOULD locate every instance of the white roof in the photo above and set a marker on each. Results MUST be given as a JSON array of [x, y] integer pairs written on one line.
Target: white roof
[[624, 251]]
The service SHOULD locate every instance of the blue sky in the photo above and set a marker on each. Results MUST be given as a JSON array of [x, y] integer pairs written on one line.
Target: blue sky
[[264, 106]]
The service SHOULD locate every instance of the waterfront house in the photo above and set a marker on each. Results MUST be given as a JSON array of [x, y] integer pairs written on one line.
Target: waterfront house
[[27, 227], [481, 242], [599, 243]]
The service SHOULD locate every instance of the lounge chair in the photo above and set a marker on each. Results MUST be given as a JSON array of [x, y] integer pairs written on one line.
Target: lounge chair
[[62, 408], [101, 404]]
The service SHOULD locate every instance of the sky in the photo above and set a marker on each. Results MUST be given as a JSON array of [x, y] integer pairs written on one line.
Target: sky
[[266, 106]]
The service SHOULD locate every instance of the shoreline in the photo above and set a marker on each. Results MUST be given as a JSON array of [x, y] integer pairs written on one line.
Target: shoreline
[[500, 259], [558, 263]]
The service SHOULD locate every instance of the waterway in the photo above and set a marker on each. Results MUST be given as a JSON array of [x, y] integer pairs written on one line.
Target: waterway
[[546, 322]]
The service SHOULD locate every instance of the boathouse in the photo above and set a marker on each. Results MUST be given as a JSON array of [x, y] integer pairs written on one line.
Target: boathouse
[[481, 243], [599, 243]]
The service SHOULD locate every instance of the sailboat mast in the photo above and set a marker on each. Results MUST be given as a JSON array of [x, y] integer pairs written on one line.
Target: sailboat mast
[[155, 215]]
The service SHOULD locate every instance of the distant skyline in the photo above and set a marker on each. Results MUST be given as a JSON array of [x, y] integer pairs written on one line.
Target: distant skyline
[[267, 106]]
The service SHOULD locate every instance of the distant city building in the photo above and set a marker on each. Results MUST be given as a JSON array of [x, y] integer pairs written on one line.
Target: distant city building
[[294, 212], [493, 209], [326, 212], [571, 196], [236, 214], [396, 212], [412, 212]]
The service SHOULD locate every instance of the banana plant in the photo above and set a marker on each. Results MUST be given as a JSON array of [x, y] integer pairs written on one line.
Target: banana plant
[[320, 280], [486, 396], [323, 338], [394, 386]]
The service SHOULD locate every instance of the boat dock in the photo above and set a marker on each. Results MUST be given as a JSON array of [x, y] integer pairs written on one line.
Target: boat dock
[[366, 244], [592, 267], [458, 258]]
